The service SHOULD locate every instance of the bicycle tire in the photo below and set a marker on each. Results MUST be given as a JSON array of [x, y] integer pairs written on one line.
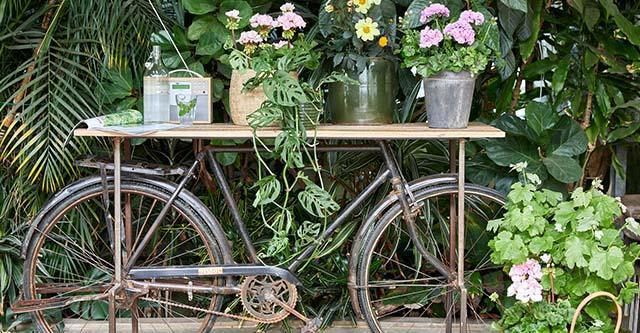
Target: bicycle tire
[[374, 234]]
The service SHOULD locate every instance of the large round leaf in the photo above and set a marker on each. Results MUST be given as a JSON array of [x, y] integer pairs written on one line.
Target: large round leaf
[[199, 7], [242, 6], [563, 168], [204, 24]]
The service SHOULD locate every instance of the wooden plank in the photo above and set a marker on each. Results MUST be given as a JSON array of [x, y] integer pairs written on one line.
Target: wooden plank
[[349, 132]]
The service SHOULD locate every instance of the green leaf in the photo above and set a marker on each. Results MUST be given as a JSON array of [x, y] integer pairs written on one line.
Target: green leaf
[[575, 251], [560, 76], [603, 263], [520, 5], [317, 201], [268, 190], [540, 117], [512, 150], [509, 248], [283, 89], [209, 44], [527, 46], [411, 18], [540, 244], [627, 27], [622, 132], [245, 11], [563, 168], [199, 7], [569, 139], [624, 272], [204, 24]]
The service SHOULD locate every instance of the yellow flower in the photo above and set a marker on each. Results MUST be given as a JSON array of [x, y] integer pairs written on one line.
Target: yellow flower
[[366, 29], [329, 8], [363, 5], [383, 41]]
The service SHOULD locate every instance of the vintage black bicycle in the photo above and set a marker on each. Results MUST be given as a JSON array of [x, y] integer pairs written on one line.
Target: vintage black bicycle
[[176, 262]]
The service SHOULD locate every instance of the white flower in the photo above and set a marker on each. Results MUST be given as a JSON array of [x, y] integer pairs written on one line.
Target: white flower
[[494, 297], [233, 14], [519, 167], [598, 323], [287, 7], [622, 206], [597, 184], [280, 44], [546, 258], [559, 227], [598, 234]]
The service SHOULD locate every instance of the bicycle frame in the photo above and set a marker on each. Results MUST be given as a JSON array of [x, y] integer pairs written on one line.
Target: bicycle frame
[[390, 172]]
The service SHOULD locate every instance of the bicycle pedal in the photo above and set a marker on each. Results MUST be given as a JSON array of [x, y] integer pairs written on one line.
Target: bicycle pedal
[[312, 326]]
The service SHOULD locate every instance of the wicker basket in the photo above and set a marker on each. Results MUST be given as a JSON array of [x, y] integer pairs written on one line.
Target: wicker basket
[[242, 104], [587, 300]]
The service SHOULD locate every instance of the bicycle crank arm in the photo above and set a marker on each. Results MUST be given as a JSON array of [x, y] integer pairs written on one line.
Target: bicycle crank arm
[[25, 306], [169, 272]]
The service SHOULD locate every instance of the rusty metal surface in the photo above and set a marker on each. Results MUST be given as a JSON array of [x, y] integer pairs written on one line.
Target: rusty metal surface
[[139, 167]]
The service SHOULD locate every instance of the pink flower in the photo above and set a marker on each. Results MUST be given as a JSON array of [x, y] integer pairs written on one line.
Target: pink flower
[[290, 21], [250, 37], [433, 10], [287, 7], [233, 14], [281, 44], [430, 37], [461, 32], [263, 21], [472, 17], [526, 286]]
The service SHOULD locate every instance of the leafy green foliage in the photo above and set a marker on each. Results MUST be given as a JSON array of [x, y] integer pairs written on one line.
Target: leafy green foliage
[[536, 317], [548, 142], [586, 251]]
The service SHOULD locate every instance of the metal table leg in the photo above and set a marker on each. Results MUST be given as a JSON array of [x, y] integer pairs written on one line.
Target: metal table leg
[[117, 231], [461, 195]]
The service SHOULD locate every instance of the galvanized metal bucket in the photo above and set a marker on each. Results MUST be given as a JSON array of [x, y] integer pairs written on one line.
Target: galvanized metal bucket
[[448, 97]]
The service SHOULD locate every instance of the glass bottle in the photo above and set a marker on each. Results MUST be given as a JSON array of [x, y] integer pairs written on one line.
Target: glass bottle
[[156, 89]]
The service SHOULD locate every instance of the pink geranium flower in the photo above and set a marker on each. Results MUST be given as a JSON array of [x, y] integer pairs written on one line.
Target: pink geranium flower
[[461, 31], [290, 21], [250, 37], [432, 11], [430, 37], [472, 17]]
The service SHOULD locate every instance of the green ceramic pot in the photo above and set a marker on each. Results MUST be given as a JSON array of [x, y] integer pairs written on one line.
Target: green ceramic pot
[[372, 101]]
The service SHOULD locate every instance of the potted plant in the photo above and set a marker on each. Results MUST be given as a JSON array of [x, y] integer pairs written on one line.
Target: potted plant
[[268, 39], [448, 51], [360, 39], [558, 251]]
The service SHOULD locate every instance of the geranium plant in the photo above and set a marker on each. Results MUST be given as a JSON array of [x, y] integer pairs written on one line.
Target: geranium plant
[[577, 241], [441, 41], [357, 30], [276, 50]]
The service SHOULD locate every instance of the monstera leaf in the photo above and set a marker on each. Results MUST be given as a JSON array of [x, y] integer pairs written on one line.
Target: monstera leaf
[[284, 89]]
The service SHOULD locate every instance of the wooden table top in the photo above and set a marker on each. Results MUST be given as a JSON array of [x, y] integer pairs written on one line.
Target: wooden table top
[[328, 131]]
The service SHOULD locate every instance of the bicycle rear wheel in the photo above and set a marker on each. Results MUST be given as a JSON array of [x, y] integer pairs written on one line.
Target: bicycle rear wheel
[[71, 257], [394, 280]]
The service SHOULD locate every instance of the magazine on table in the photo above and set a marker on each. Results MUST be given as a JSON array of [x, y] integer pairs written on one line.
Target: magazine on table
[[128, 123]]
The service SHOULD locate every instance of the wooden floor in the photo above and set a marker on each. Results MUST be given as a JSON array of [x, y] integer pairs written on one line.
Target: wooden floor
[[396, 325]]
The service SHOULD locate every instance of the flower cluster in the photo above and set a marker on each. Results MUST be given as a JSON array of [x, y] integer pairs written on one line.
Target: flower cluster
[[435, 10], [461, 31], [263, 24], [363, 6], [526, 285]]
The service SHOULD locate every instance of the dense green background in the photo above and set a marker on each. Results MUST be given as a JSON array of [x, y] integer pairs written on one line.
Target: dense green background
[[62, 61]]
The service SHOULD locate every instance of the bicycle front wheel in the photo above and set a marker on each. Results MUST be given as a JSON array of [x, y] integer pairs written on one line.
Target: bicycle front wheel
[[394, 280], [71, 259]]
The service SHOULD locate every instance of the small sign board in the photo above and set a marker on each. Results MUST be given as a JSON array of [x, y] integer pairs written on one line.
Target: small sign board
[[196, 87]]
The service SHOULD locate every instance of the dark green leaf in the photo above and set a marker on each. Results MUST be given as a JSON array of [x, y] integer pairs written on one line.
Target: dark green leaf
[[520, 5], [560, 76], [209, 44], [540, 117], [628, 28], [622, 132], [563, 168], [512, 150], [199, 7], [568, 139], [245, 11]]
